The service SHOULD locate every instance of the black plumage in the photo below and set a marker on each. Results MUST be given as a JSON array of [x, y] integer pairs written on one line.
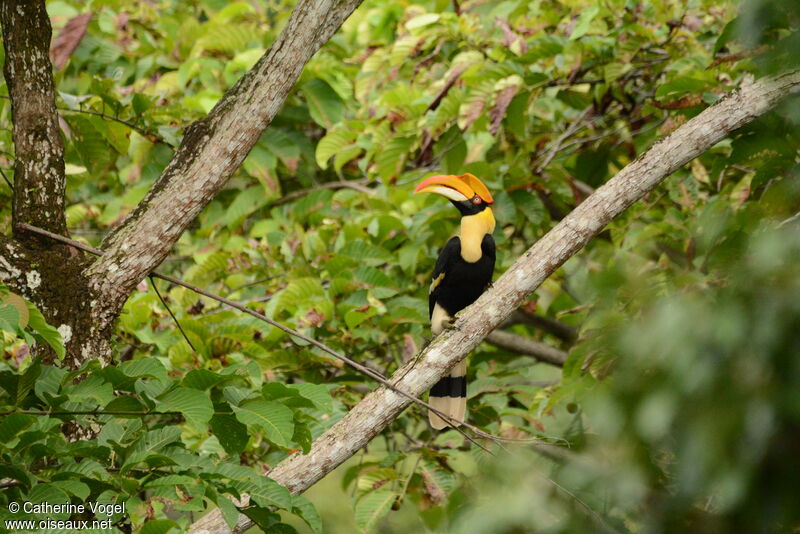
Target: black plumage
[[463, 282]]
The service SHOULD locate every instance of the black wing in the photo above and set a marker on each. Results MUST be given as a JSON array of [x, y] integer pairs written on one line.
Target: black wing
[[450, 251]]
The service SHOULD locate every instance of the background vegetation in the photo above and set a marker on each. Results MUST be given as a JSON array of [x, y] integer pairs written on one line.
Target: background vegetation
[[677, 409]]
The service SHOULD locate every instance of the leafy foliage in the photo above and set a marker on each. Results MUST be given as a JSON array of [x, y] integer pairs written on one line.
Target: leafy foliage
[[678, 394]]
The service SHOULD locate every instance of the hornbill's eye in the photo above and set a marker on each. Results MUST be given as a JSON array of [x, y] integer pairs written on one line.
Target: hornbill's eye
[[476, 200]]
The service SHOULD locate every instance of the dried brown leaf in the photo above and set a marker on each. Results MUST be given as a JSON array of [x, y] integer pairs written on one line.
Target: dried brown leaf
[[451, 80], [512, 39], [68, 40], [501, 104]]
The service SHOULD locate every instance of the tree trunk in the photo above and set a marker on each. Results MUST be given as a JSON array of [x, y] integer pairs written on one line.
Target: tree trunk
[[49, 275]]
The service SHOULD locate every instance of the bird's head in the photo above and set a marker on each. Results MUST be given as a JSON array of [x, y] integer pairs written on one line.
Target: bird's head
[[465, 191]]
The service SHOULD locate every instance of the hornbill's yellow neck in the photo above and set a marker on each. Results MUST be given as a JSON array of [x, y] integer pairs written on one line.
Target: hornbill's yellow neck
[[473, 229], [473, 200]]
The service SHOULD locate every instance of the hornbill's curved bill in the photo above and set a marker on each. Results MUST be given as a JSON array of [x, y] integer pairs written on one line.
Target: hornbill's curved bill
[[463, 271]]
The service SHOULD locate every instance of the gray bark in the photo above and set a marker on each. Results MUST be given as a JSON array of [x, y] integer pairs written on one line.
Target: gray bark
[[370, 416], [39, 179], [47, 274]]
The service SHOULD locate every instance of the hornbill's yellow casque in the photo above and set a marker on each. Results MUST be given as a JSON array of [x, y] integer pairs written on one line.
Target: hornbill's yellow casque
[[463, 271]]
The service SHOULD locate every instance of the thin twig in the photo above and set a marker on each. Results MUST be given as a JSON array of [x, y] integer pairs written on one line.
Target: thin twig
[[561, 330], [7, 180], [527, 347], [576, 125], [177, 322], [150, 135]]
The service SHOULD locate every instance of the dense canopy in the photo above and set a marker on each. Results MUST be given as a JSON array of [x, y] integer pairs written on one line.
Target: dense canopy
[[649, 385]]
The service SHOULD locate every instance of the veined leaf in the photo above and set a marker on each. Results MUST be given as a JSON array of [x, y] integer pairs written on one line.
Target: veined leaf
[[44, 331], [334, 141], [273, 417], [372, 507], [195, 405], [325, 106]]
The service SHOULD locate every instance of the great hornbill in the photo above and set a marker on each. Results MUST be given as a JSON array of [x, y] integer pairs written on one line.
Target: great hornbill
[[463, 271]]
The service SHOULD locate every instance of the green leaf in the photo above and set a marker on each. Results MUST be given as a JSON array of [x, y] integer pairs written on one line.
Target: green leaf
[[584, 21], [230, 433], [372, 507], [195, 405], [281, 528], [679, 86], [73, 487], [202, 379], [262, 517], [325, 106], [11, 425], [150, 367], [302, 436], [27, 380], [48, 493], [158, 526], [332, 143], [316, 393], [274, 418], [228, 510], [307, 512], [46, 332], [125, 403], [265, 492], [392, 157], [9, 315]]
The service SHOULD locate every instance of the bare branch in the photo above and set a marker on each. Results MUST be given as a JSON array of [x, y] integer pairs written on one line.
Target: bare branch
[[211, 150], [527, 347], [561, 330], [39, 178], [370, 416]]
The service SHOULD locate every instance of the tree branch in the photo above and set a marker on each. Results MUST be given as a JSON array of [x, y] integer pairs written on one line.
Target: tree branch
[[39, 178], [211, 150], [527, 347], [370, 416], [562, 331]]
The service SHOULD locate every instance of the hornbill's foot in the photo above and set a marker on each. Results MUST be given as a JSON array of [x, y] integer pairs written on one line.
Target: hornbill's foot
[[450, 324]]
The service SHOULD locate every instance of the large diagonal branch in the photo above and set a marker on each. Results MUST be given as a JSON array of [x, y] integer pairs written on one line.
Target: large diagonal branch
[[211, 151], [39, 178], [370, 416]]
